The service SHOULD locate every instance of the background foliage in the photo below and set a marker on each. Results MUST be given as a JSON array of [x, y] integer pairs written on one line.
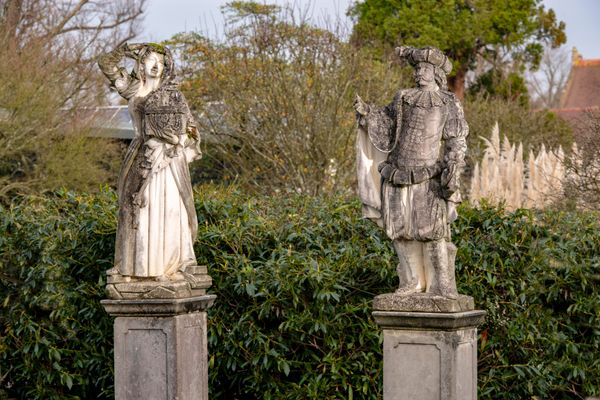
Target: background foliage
[[583, 189], [48, 76], [275, 94], [275, 97], [295, 276], [519, 124], [469, 32], [537, 276]]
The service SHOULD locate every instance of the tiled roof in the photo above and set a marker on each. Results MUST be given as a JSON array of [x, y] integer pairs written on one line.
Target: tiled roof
[[583, 88]]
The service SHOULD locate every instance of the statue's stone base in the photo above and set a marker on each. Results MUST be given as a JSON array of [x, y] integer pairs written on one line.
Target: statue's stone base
[[429, 355], [191, 282], [423, 302], [160, 348]]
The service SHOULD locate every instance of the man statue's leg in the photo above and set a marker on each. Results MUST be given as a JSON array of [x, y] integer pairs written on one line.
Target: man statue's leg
[[439, 262], [410, 267]]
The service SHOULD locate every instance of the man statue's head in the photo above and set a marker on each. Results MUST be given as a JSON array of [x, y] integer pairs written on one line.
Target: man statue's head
[[431, 65]]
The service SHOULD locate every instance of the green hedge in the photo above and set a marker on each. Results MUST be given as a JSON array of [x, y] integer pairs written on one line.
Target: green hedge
[[537, 276], [56, 340], [294, 278]]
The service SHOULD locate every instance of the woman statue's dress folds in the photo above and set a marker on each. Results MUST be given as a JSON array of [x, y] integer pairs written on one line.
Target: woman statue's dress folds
[[157, 221]]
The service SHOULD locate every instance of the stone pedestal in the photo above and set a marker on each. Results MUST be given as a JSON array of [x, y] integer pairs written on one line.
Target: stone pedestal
[[428, 355], [160, 348], [192, 281]]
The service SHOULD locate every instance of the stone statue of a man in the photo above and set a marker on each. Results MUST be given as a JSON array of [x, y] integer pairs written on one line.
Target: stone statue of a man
[[410, 155]]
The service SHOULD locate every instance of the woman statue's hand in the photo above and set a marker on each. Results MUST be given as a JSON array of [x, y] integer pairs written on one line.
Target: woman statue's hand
[[192, 131], [132, 50]]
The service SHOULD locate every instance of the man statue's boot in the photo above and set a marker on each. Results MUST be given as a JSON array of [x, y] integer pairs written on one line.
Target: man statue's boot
[[410, 254], [438, 254], [452, 250]]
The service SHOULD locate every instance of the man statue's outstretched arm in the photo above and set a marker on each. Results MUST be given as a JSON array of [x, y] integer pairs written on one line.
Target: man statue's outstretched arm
[[379, 122]]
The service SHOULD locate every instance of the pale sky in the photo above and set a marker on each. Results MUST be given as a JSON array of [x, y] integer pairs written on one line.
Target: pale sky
[[164, 18], [167, 17]]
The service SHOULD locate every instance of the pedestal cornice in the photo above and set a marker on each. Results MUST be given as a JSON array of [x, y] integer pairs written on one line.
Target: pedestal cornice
[[157, 307], [428, 321]]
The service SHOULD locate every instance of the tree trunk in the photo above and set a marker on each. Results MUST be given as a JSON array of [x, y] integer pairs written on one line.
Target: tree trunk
[[10, 21], [456, 83]]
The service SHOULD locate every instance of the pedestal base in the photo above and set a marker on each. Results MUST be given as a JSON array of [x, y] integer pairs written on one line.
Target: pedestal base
[[191, 281], [423, 302], [429, 356], [160, 348]]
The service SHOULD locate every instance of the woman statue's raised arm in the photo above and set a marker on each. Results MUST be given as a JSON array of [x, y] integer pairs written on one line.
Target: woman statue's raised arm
[[121, 80]]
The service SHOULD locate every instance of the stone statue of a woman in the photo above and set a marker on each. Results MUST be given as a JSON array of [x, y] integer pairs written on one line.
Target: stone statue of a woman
[[157, 224]]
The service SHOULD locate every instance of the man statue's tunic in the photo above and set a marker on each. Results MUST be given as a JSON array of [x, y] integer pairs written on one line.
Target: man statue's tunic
[[423, 134]]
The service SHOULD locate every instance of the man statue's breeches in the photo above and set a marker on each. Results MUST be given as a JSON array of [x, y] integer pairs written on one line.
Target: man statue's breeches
[[414, 212]]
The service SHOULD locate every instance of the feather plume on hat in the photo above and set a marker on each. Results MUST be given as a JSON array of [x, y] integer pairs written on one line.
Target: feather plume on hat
[[428, 54]]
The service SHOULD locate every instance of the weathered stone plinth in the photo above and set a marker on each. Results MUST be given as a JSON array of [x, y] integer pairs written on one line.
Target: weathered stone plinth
[[422, 302], [191, 282], [160, 348], [428, 355]]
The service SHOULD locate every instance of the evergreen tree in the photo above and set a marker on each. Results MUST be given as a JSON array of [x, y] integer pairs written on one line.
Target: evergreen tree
[[468, 31]]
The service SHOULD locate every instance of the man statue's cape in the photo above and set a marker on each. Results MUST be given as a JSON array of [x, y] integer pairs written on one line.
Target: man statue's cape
[[368, 159]]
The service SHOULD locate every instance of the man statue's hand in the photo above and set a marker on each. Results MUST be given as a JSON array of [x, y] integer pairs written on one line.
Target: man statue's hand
[[449, 180], [362, 108]]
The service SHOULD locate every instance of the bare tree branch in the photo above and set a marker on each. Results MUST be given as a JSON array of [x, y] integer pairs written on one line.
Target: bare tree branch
[[547, 84], [66, 18], [48, 50]]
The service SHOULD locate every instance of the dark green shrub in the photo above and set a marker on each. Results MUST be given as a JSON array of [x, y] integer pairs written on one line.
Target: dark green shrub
[[55, 339], [295, 276], [537, 276]]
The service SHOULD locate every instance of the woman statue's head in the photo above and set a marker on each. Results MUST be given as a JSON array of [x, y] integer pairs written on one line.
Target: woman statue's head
[[155, 61], [154, 64]]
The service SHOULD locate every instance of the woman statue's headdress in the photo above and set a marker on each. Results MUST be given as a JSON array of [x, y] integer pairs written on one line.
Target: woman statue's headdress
[[140, 51]]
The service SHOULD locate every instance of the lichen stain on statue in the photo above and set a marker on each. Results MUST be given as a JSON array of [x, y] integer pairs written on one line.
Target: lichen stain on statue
[[410, 154], [157, 223]]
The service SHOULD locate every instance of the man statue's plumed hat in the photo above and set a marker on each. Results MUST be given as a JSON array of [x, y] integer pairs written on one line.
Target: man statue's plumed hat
[[429, 55]]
